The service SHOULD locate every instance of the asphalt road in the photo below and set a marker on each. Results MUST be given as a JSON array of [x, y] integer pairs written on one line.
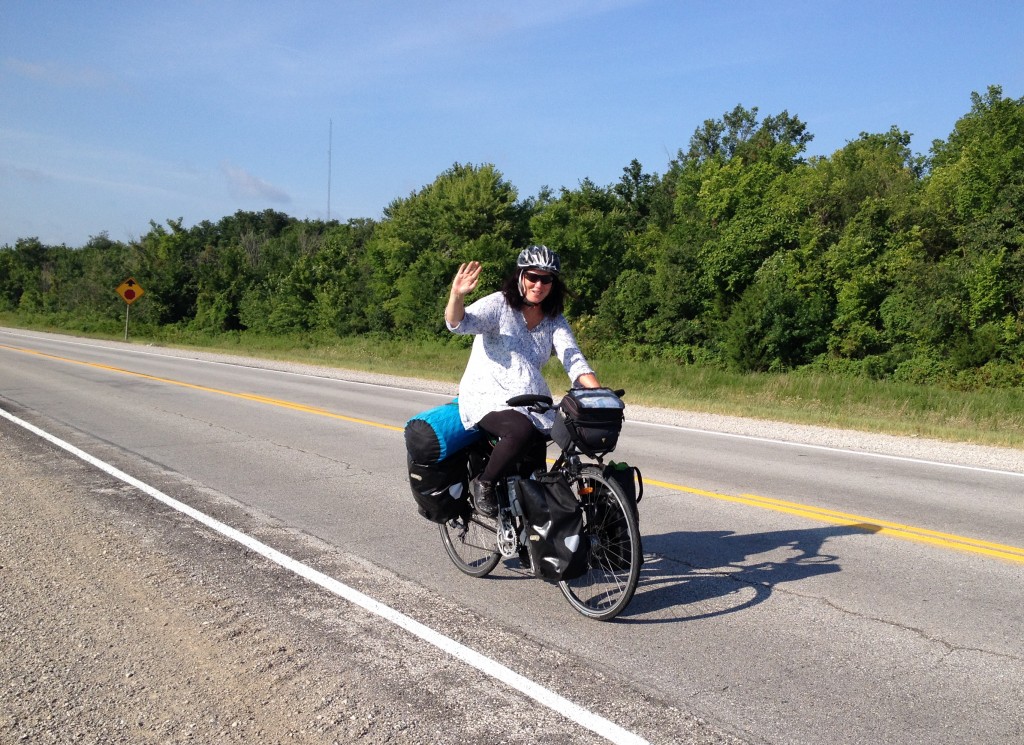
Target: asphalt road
[[791, 592]]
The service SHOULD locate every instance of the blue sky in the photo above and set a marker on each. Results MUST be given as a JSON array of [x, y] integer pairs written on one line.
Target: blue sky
[[116, 113]]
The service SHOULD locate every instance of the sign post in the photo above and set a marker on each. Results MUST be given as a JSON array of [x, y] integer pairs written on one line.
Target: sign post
[[130, 291]]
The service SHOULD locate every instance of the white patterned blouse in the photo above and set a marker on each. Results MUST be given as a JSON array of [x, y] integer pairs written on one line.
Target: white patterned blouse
[[507, 358]]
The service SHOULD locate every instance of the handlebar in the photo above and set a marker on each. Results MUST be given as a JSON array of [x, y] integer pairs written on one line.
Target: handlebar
[[541, 403], [532, 399]]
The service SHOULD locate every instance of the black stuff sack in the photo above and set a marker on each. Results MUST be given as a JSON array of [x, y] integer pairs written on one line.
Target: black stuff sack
[[610, 525], [436, 434], [441, 490], [629, 478], [558, 548]]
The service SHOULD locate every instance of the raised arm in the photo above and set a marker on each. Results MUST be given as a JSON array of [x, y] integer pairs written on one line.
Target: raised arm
[[463, 284]]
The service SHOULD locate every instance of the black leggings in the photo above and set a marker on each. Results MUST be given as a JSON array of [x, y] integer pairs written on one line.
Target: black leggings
[[517, 439]]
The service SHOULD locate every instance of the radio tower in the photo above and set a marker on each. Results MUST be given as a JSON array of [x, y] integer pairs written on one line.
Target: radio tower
[[330, 143]]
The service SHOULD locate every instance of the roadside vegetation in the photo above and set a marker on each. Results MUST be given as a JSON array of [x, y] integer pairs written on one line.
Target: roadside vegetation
[[875, 288]]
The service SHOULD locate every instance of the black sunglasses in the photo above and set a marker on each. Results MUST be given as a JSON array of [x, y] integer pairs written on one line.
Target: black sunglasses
[[544, 279]]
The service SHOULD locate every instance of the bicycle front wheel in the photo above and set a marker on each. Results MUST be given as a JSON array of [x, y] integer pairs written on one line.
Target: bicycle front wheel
[[472, 544], [615, 549]]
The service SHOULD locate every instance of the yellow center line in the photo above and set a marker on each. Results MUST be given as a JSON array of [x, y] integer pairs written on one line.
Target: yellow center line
[[244, 396], [867, 524]]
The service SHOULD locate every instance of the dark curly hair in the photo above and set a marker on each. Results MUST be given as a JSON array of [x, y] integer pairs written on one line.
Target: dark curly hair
[[552, 305]]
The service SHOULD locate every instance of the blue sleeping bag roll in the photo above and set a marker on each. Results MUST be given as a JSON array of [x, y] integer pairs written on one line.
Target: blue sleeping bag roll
[[433, 435]]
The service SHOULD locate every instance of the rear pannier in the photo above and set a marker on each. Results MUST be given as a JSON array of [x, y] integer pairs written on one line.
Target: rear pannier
[[436, 443], [441, 490], [590, 420]]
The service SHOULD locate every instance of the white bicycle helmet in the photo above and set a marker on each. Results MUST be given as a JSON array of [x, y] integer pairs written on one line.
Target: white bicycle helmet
[[539, 257]]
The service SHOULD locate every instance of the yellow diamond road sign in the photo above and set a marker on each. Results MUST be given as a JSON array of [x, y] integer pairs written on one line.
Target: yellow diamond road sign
[[130, 290]]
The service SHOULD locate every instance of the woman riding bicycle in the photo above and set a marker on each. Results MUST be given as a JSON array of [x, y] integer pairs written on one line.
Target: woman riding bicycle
[[517, 330]]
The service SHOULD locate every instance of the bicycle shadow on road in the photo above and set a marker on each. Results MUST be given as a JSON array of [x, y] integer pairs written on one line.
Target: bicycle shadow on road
[[705, 574]]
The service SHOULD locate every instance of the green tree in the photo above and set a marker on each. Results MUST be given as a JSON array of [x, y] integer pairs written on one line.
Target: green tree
[[865, 234], [588, 227], [980, 168], [779, 323], [326, 287], [24, 265], [467, 213], [735, 207], [739, 134], [975, 193]]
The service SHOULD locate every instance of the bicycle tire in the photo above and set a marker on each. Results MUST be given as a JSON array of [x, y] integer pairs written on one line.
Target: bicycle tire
[[471, 543], [616, 552]]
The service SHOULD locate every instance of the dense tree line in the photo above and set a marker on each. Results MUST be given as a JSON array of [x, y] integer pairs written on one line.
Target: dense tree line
[[745, 253]]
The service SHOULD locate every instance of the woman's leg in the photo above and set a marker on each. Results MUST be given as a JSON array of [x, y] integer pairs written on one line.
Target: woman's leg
[[515, 432]]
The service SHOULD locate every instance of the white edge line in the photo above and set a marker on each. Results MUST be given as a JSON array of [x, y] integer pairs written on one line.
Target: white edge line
[[595, 723], [847, 451]]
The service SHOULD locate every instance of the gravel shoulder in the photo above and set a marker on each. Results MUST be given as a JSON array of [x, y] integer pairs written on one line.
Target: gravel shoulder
[[122, 621]]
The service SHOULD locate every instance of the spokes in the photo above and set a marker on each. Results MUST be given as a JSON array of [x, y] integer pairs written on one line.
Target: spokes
[[474, 533], [471, 543], [610, 581]]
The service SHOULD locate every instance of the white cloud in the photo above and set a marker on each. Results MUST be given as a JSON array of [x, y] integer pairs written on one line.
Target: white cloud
[[243, 184], [56, 74], [31, 175]]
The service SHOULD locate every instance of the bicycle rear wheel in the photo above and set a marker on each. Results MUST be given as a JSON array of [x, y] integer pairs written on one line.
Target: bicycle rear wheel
[[615, 549], [472, 544]]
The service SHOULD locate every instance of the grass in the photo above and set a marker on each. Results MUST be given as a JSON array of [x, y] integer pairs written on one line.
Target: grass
[[986, 417]]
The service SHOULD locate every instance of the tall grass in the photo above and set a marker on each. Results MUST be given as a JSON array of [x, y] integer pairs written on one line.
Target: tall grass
[[989, 416]]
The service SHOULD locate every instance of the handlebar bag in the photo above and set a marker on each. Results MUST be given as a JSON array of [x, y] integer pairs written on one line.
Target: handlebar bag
[[435, 434], [589, 419], [554, 526]]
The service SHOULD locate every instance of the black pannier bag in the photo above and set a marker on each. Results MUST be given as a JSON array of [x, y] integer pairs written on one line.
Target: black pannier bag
[[558, 548], [589, 419], [441, 490], [435, 443]]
